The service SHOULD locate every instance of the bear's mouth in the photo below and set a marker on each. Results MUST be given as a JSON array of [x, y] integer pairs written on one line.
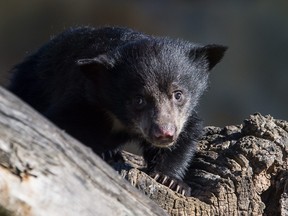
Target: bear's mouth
[[163, 143]]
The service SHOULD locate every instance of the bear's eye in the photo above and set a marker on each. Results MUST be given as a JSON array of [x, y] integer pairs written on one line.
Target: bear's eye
[[178, 96], [139, 102]]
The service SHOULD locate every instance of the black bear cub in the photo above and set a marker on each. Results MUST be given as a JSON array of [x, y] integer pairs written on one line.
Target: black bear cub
[[109, 86]]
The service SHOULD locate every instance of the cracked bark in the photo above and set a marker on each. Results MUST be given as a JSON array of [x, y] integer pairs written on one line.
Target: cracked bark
[[237, 170]]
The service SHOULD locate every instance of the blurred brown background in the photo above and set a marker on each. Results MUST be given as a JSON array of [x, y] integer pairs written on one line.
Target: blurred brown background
[[252, 77]]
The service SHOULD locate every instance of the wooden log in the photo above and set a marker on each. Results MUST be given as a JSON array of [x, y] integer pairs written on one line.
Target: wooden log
[[44, 171], [237, 170]]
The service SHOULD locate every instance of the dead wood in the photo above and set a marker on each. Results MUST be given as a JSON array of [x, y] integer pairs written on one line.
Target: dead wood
[[43, 171], [238, 170]]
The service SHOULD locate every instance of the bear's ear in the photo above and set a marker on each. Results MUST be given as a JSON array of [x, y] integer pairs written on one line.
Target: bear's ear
[[212, 54], [94, 67]]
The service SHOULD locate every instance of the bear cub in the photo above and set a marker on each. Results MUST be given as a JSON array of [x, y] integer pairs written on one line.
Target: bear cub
[[109, 86]]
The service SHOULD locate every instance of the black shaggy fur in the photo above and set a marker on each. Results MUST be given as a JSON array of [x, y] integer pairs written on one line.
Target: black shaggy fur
[[109, 86]]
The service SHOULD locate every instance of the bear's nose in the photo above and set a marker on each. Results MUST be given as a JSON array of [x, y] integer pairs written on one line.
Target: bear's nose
[[164, 132]]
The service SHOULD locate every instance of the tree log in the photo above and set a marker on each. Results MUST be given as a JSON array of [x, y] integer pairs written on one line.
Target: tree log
[[237, 170], [44, 171]]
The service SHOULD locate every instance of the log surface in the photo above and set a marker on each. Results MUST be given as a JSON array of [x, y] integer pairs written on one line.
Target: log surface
[[237, 170], [44, 171]]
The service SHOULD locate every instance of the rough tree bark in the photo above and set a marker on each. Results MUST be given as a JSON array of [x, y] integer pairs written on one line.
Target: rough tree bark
[[238, 170]]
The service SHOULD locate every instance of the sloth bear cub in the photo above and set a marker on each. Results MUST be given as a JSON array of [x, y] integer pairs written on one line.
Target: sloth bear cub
[[110, 86]]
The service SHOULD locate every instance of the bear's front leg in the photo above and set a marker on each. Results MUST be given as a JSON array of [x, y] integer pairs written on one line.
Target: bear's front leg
[[168, 166]]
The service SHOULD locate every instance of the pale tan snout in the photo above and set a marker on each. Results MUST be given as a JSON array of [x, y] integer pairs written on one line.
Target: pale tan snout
[[163, 134]]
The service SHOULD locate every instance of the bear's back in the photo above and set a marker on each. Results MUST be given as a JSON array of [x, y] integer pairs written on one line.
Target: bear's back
[[51, 72]]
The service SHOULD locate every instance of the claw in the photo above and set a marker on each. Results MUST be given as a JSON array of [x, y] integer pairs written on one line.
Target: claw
[[183, 192], [177, 188], [156, 177], [171, 183], [164, 180]]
